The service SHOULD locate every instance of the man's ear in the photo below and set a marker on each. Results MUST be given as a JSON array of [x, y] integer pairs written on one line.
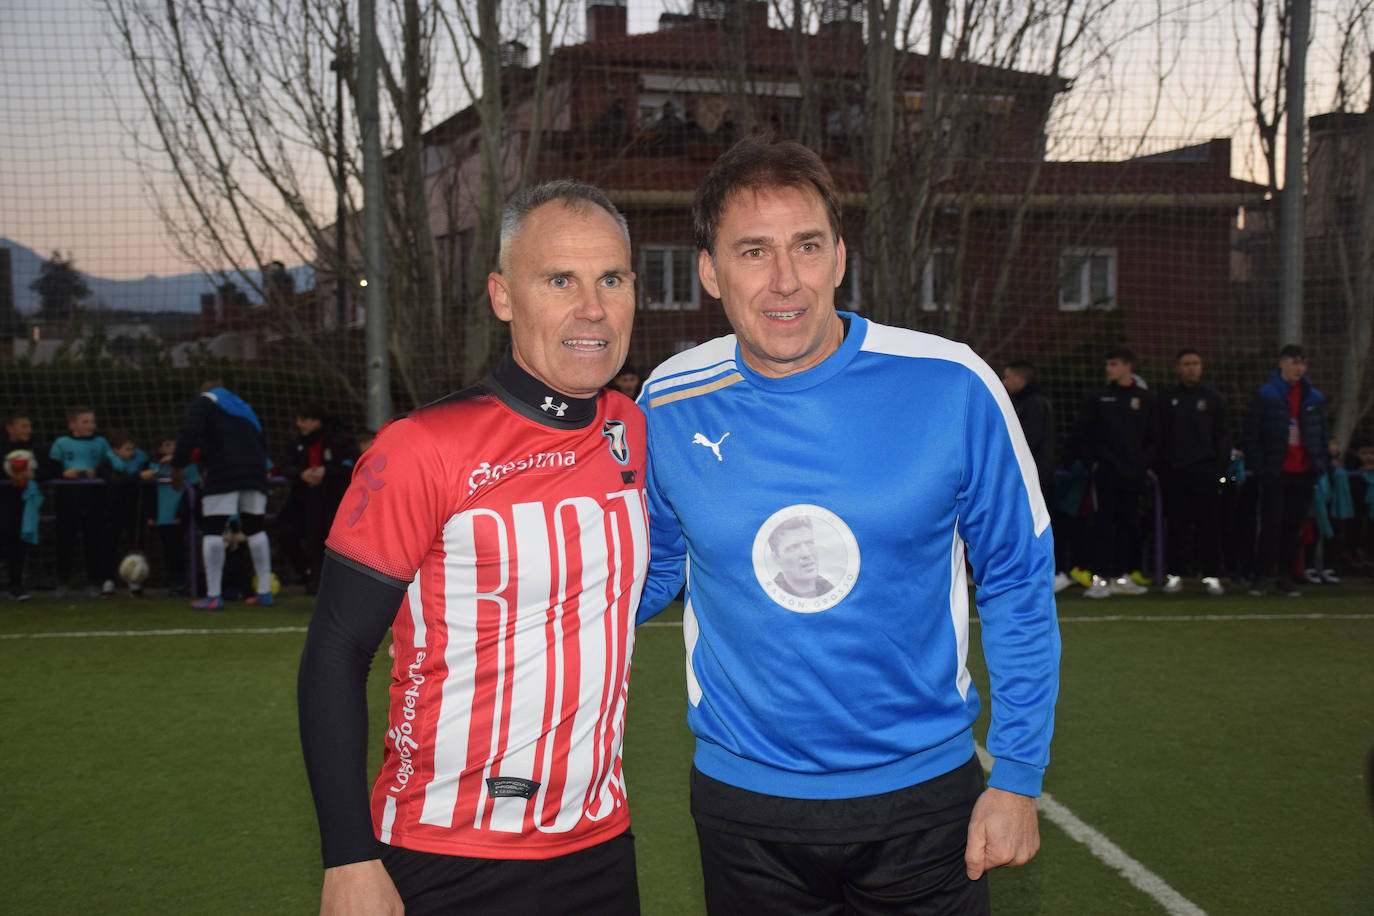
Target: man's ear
[[839, 262], [499, 294], [706, 270]]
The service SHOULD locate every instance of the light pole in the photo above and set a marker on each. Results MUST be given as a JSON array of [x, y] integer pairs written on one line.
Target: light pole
[[337, 65]]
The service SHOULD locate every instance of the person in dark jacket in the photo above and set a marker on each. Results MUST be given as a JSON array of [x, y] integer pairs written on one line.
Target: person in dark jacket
[[1195, 450], [1285, 436], [234, 471], [1117, 436], [319, 469], [1036, 414]]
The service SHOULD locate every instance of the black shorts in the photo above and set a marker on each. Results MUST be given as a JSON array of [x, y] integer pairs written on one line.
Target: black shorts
[[600, 880], [897, 853]]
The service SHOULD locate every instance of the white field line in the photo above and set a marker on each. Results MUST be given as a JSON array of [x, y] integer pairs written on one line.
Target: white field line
[[1109, 853], [94, 634], [1116, 618]]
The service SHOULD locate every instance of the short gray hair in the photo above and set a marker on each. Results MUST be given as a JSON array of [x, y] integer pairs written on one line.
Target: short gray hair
[[574, 194]]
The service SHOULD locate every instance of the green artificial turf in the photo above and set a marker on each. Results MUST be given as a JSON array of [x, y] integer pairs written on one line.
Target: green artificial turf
[[161, 773]]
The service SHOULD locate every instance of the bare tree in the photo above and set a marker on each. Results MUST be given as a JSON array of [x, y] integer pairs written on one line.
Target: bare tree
[[236, 112], [1353, 168], [1264, 64]]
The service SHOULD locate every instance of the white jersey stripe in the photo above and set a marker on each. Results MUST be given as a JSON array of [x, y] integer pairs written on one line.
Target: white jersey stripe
[[529, 650], [958, 611], [388, 818], [417, 611]]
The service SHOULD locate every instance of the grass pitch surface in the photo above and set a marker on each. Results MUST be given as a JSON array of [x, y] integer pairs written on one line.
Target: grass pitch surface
[[152, 763]]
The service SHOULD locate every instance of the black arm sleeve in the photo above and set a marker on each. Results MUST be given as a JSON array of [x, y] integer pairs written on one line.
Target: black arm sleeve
[[352, 614]]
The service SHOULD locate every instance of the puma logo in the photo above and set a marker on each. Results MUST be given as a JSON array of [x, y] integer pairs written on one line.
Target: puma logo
[[699, 439]]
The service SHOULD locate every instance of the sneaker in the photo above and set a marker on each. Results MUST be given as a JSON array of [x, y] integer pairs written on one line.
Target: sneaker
[[209, 603], [262, 599], [1061, 582], [1123, 585], [135, 591], [1173, 584], [1255, 586], [1285, 588], [19, 594], [108, 589], [1081, 576], [1213, 585], [1328, 576], [1312, 575], [1098, 589], [1139, 578]]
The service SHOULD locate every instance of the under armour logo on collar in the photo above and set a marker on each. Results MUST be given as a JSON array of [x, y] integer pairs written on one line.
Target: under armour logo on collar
[[549, 405]]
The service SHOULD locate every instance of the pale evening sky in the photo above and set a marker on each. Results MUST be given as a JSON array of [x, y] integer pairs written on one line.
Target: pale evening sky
[[67, 181]]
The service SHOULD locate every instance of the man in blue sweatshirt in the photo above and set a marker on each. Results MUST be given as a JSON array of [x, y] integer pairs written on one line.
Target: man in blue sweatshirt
[[820, 480]]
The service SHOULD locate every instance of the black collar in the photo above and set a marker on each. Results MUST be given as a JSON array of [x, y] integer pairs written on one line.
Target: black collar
[[530, 397]]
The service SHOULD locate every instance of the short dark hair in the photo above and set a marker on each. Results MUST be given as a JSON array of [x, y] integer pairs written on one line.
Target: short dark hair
[[1122, 353], [14, 415], [1187, 351], [78, 410], [1022, 368], [118, 437], [756, 164], [1292, 351], [574, 194], [792, 524], [310, 410]]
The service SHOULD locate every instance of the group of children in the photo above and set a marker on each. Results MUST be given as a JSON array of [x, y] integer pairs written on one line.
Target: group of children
[[109, 520]]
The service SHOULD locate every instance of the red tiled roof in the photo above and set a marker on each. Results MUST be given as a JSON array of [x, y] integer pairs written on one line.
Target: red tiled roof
[[671, 179], [705, 46]]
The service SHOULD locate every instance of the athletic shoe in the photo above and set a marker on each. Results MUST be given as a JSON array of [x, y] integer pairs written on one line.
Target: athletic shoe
[[19, 594], [210, 603], [135, 591], [1312, 575], [1173, 584], [262, 599], [1061, 582], [1330, 578], [1122, 585], [1139, 578], [1081, 576], [1286, 589], [108, 589], [1255, 586], [1214, 586], [1098, 589]]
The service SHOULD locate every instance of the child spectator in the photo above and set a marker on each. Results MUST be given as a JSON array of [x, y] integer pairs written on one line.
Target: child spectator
[[16, 495], [81, 508], [125, 470], [170, 516], [319, 471]]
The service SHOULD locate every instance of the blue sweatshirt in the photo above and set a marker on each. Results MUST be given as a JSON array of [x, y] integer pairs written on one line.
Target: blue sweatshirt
[[83, 454], [825, 519]]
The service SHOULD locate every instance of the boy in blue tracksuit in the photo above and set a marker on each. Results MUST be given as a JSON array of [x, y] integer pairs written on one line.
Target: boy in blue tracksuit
[[81, 508], [1286, 447], [125, 469], [821, 480]]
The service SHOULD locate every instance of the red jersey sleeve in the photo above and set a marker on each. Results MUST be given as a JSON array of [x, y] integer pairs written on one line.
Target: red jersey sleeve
[[396, 502]]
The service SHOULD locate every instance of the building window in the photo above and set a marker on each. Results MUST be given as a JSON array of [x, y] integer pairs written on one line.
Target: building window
[[1087, 279], [937, 280], [668, 279]]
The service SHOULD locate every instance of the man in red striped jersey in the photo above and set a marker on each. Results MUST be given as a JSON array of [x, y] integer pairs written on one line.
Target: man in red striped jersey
[[501, 533]]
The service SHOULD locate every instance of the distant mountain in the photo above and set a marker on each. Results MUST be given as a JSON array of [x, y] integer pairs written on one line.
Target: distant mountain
[[179, 293]]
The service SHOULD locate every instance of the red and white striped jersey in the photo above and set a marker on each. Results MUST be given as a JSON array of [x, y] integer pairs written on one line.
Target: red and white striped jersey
[[522, 545]]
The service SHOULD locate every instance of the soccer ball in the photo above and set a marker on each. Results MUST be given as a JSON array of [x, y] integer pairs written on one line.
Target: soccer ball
[[276, 584], [20, 460], [133, 569]]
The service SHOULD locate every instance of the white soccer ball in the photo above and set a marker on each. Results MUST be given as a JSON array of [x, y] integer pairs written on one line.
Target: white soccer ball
[[133, 569], [20, 459]]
